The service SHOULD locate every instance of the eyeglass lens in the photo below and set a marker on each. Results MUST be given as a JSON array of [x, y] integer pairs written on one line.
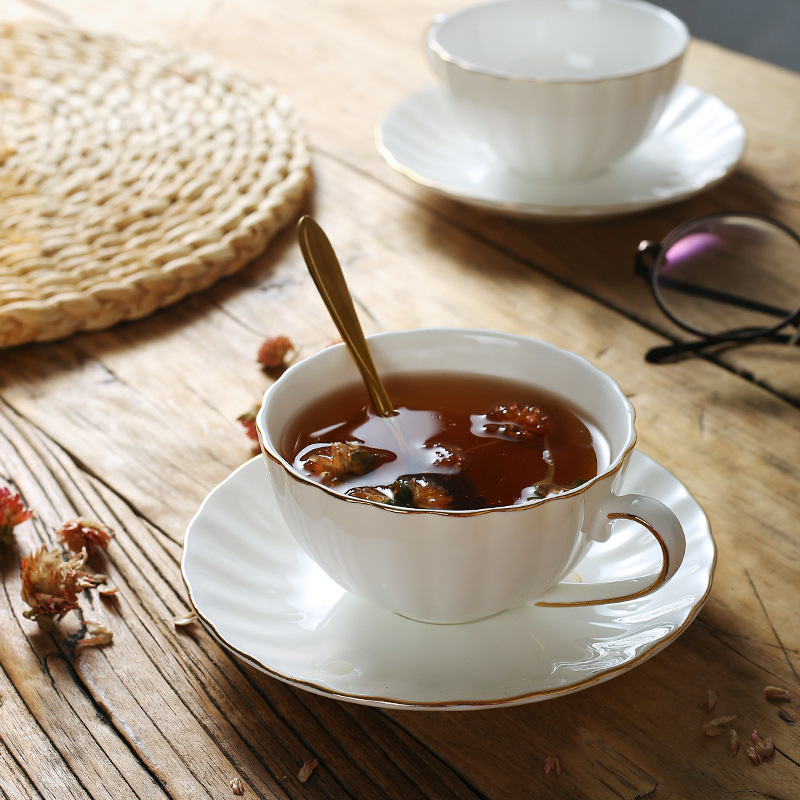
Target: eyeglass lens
[[729, 274]]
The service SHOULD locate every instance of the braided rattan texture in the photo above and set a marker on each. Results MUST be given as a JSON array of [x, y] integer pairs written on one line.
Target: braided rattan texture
[[130, 177]]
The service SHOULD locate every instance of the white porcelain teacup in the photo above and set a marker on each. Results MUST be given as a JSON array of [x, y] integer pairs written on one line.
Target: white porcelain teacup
[[454, 566], [559, 88]]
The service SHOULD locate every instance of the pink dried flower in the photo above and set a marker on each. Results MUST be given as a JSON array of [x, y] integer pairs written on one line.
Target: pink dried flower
[[552, 763], [12, 512], [711, 699], [274, 352], [763, 747], [84, 534], [248, 421], [754, 757], [514, 421], [734, 740], [50, 585]]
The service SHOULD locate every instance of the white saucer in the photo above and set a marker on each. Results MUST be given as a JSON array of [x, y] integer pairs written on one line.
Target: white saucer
[[266, 601], [696, 144]]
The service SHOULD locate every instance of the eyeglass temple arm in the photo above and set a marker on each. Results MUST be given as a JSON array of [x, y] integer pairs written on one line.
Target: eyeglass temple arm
[[668, 352]]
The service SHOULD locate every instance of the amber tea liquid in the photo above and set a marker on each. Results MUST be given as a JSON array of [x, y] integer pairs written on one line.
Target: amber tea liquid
[[470, 441]]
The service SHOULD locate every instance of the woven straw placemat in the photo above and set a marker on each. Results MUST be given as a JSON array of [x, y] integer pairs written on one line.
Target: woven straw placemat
[[130, 176]]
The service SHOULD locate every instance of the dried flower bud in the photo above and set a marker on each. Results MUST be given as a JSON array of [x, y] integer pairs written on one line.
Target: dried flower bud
[[50, 585], [425, 494], [763, 747], [754, 757], [248, 421], [275, 352], [306, 770], [370, 493], [12, 512], [237, 786], [711, 699], [733, 737], [776, 693], [552, 763], [447, 456], [183, 620], [336, 462], [84, 534], [98, 635], [714, 727]]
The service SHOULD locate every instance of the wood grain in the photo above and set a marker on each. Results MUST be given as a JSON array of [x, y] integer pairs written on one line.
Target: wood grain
[[134, 425]]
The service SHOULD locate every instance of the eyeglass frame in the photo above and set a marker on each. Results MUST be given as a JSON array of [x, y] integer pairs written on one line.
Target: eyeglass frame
[[655, 250]]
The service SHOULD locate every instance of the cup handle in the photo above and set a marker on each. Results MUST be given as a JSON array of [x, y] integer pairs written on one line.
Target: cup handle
[[656, 518]]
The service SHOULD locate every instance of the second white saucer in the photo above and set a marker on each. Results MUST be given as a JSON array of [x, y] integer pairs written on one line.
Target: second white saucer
[[696, 144]]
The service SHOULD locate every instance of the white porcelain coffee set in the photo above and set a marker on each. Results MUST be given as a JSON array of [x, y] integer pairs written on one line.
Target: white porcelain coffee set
[[448, 609], [342, 596], [561, 108]]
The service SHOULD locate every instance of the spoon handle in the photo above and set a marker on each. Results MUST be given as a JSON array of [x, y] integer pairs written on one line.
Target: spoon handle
[[324, 267]]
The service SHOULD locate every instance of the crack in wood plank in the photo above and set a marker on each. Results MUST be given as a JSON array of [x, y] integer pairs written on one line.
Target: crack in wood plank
[[772, 627]]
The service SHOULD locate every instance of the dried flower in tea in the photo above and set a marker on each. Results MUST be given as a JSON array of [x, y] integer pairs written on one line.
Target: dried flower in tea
[[516, 421], [370, 493], [84, 534], [340, 460], [412, 493], [421, 493], [12, 512], [50, 585]]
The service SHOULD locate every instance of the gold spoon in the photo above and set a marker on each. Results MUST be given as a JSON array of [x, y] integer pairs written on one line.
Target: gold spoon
[[324, 267]]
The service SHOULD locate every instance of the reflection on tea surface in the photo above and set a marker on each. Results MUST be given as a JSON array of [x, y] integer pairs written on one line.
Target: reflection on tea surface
[[457, 442]]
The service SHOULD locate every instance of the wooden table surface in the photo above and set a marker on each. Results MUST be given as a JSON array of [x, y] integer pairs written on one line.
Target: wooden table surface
[[133, 426]]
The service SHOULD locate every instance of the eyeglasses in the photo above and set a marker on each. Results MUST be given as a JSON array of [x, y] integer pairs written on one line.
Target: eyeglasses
[[725, 278]]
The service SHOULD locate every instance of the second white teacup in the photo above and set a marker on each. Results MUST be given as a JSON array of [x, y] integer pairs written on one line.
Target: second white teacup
[[439, 565], [559, 88]]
